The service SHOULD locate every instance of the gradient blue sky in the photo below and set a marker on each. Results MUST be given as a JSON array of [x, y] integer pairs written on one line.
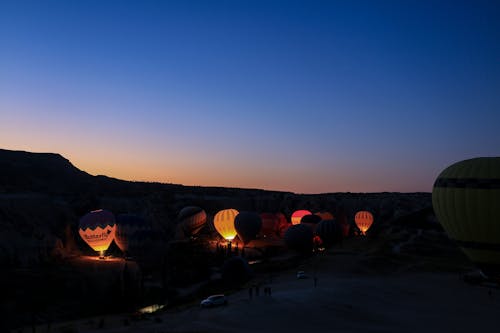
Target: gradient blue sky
[[305, 96]]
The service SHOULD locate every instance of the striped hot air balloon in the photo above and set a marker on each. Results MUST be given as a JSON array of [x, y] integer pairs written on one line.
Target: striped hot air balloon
[[466, 199], [192, 219], [97, 229], [298, 214], [224, 223], [126, 225], [364, 221]]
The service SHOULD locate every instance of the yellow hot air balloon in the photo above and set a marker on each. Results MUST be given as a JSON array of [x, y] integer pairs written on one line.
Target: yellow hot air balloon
[[97, 229], [298, 214], [364, 221], [466, 199], [224, 223]]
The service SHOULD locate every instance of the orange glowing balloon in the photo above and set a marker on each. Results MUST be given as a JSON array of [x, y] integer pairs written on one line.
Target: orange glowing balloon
[[297, 216], [364, 221], [224, 223], [97, 229]]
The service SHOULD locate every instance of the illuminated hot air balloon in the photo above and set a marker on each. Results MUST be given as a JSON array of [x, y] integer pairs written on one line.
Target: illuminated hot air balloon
[[330, 232], [192, 219], [299, 237], [364, 221], [325, 215], [97, 229], [297, 215], [224, 223], [466, 199], [126, 225], [247, 225]]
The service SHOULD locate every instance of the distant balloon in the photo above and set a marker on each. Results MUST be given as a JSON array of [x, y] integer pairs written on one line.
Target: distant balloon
[[299, 237], [270, 225], [97, 229], [283, 224], [224, 223], [330, 232], [325, 215], [364, 221], [341, 220], [248, 225], [192, 219], [126, 225], [466, 199], [297, 215]]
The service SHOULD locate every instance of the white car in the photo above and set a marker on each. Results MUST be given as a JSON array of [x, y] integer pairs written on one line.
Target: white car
[[214, 300], [301, 275]]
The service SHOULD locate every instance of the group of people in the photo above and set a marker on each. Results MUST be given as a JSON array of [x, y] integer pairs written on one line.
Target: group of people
[[267, 291]]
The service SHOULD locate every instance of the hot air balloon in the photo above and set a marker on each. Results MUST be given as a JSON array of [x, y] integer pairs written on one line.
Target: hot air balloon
[[364, 221], [224, 223], [342, 221], [247, 225], [325, 215], [270, 224], [330, 232], [299, 237], [192, 219], [466, 199], [126, 225], [236, 270], [97, 229], [283, 224], [310, 220], [297, 215]]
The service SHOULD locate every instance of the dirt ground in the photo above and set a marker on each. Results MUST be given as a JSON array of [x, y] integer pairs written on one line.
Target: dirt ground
[[345, 299]]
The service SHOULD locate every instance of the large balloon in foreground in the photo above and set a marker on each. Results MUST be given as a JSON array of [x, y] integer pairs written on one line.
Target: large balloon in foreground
[[364, 221], [466, 199], [298, 214], [311, 220], [97, 229], [224, 223], [126, 225], [299, 237], [247, 225], [192, 219]]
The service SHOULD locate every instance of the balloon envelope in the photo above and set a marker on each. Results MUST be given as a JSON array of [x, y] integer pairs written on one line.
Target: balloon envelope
[[270, 225], [224, 223], [97, 229], [299, 237], [247, 225], [126, 225], [466, 199], [325, 215], [298, 214], [192, 219], [330, 232], [364, 221]]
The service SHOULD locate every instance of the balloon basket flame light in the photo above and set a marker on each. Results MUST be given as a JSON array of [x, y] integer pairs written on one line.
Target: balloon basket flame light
[[101, 255]]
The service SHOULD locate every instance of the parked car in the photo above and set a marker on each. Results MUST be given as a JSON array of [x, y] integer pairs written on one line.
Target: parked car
[[214, 300], [301, 275]]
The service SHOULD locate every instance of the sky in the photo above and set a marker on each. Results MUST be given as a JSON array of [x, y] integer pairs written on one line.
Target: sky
[[302, 96]]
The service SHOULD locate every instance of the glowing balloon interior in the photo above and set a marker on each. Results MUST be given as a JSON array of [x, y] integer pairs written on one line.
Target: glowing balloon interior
[[97, 229], [297, 216], [224, 223], [364, 221]]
